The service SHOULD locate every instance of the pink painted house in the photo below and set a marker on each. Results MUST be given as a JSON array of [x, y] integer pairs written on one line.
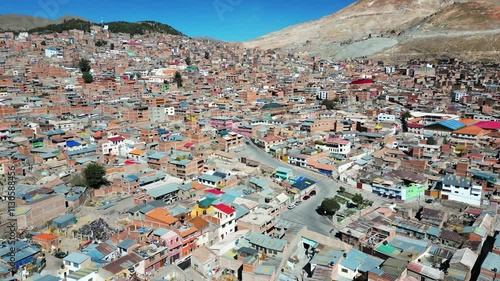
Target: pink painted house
[[172, 241], [221, 123]]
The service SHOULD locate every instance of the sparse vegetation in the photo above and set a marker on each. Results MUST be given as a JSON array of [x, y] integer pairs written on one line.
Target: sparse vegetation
[[94, 175], [328, 207], [87, 77], [178, 79]]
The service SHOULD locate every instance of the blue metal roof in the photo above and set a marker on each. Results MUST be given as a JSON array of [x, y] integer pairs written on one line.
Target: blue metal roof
[[304, 184], [492, 261], [76, 257], [127, 243], [450, 124]]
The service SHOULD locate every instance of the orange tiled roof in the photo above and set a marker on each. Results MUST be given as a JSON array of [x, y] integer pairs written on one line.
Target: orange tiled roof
[[198, 186], [189, 231], [198, 222], [137, 152], [471, 130], [468, 121], [162, 216], [45, 236]]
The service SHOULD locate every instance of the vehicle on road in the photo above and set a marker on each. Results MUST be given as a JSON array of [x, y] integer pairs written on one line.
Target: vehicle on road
[[312, 193], [291, 207], [306, 197], [429, 201], [298, 203], [60, 255]]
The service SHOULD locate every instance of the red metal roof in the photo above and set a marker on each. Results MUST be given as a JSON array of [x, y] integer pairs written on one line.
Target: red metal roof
[[412, 125], [225, 208], [114, 139], [214, 191], [188, 144], [362, 81], [488, 125]]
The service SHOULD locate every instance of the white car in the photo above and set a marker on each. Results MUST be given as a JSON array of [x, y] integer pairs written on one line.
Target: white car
[[291, 207]]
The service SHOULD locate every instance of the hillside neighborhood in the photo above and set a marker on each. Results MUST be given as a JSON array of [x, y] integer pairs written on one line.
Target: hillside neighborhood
[[163, 157]]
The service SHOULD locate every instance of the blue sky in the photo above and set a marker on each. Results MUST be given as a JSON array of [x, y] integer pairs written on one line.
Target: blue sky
[[231, 20]]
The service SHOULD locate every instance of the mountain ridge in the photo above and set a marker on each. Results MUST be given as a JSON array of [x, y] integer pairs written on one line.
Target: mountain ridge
[[68, 22], [388, 27], [16, 22]]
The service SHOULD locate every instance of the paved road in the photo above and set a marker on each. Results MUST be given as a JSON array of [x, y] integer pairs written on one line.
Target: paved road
[[305, 213]]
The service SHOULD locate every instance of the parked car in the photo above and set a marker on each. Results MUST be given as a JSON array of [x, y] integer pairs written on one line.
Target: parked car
[[290, 207], [312, 193], [60, 255], [298, 203], [306, 197], [429, 200]]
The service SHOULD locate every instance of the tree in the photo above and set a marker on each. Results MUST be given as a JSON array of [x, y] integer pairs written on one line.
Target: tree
[[43, 43], [330, 104], [87, 77], [431, 141], [188, 61], [328, 207], [341, 189], [404, 121], [100, 43], [178, 79], [207, 55], [112, 46], [84, 65], [94, 175], [357, 198]]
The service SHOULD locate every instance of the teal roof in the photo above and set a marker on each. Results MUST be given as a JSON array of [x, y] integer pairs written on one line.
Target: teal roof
[[207, 202], [265, 241], [357, 260], [492, 261], [264, 270], [259, 182], [164, 190], [326, 258], [497, 241], [210, 178], [160, 231], [76, 257], [283, 170], [434, 231]]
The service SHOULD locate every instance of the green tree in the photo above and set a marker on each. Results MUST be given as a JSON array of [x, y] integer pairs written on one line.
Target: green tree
[[330, 104], [358, 199], [112, 46], [328, 207], [207, 55], [87, 77], [43, 43], [178, 79], [404, 121], [431, 141], [341, 189], [94, 175], [188, 61], [84, 65]]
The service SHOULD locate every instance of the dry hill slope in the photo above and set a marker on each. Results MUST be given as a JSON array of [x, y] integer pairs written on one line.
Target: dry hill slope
[[395, 27], [10, 22]]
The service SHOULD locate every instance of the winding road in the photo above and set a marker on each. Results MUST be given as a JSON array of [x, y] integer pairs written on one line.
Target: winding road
[[305, 213]]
